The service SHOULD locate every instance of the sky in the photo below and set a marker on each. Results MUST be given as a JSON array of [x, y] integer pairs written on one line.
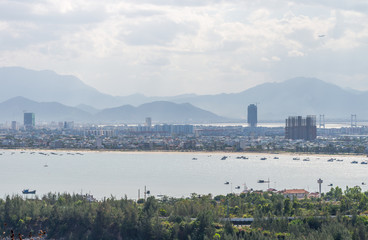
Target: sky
[[171, 47]]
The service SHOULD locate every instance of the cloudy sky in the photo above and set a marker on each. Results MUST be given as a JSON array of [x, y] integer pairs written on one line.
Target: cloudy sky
[[169, 47]]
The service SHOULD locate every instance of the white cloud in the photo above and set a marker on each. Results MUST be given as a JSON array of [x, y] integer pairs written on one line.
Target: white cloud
[[171, 47], [295, 53]]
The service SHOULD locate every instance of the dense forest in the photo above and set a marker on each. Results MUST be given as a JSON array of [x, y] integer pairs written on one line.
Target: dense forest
[[338, 214]]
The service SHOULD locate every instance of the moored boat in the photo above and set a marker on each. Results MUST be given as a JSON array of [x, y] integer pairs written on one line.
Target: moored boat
[[26, 191]]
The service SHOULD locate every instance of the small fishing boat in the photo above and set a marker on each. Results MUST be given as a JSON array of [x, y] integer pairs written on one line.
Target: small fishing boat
[[263, 181], [27, 191]]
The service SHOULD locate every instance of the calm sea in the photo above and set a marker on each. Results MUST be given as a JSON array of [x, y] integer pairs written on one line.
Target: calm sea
[[174, 174]]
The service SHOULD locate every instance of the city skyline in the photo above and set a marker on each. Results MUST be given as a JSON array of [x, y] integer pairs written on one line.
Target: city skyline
[[162, 48]]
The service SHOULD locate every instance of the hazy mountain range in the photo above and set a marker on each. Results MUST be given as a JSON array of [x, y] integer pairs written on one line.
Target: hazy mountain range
[[71, 99], [159, 111]]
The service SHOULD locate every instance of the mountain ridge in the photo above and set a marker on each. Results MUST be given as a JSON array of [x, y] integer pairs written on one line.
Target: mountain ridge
[[276, 100], [13, 109]]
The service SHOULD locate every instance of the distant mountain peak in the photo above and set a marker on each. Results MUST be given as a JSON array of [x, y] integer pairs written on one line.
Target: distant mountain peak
[[308, 81], [19, 99], [48, 86], [159, 111]]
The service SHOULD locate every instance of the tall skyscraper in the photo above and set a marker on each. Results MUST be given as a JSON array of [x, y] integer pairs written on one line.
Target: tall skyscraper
[[29, 120], [148, 122], [252, 115], [68, 125], [301, 128], [14, 126]]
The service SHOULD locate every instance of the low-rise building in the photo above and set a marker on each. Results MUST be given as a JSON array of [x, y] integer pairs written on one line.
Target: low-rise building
[[294, 193]]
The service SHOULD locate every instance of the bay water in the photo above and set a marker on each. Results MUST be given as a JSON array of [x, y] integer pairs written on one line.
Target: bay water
[[120, 174]]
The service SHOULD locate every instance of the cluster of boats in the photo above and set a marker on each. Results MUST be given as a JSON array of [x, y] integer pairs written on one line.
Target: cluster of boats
[[45, 153], [227, 183], [307, 159], [362, 162], [334, 159], [225, 157]]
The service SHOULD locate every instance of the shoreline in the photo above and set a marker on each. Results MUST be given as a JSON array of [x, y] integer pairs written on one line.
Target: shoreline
[[182, 152]]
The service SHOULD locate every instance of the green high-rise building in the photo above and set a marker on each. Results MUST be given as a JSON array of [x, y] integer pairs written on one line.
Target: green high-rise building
[[29, 120]]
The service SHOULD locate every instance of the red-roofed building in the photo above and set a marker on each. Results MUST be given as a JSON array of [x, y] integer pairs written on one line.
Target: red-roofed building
[[294, 193]]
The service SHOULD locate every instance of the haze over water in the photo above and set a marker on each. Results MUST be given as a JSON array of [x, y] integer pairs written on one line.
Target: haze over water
[[174, 174]]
